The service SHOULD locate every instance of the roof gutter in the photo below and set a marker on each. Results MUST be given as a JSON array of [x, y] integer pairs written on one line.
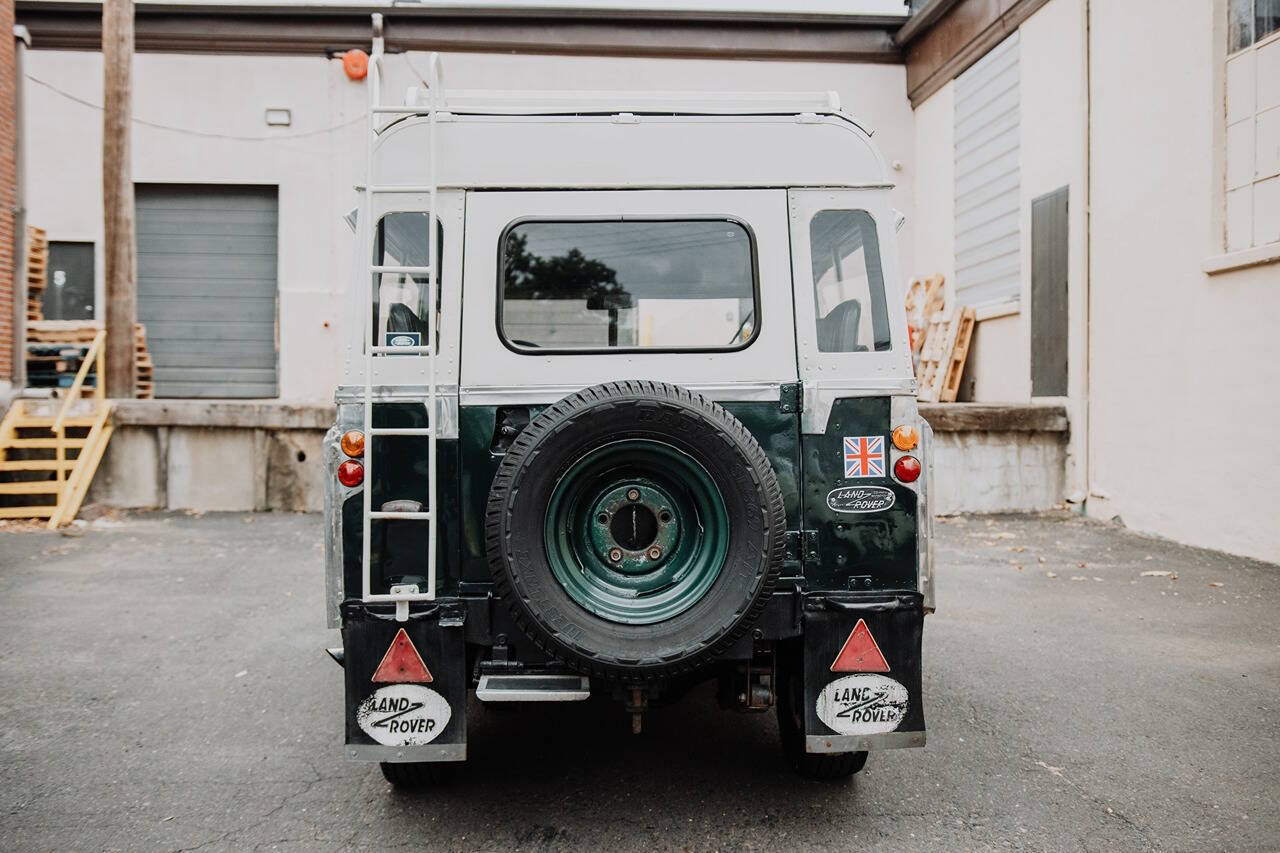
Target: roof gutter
[[921, 21]]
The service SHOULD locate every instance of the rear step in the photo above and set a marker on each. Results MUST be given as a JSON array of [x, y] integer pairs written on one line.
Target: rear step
[[548, 687]]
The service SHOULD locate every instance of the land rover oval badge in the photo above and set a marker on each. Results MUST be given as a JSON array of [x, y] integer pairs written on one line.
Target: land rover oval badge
[[403, 715], [863, 704], [860, 499]]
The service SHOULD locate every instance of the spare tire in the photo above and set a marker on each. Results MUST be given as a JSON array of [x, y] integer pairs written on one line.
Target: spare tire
[[635, 530]]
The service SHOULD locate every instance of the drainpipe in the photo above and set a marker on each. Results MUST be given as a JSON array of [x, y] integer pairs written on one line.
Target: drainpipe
[[21, 41], [1085, 392]]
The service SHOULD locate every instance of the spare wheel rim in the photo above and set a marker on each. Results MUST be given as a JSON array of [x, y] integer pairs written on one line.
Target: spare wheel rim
[[636, 531]]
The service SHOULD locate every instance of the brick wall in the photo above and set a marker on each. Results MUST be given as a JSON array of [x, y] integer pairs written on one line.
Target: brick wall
[[8, 184]]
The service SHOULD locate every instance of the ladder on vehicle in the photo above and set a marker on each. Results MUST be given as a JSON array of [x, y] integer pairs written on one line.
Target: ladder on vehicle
[[402, 595]]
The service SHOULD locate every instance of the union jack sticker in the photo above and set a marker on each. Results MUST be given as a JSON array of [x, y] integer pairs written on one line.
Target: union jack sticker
[[863, 456]]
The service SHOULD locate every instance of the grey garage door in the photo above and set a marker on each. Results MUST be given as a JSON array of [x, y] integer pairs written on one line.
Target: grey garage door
[[207, 288]]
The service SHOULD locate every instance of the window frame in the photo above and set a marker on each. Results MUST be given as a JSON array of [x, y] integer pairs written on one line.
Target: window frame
[[877, 308], [378, 247], [590, 218], [1226, 258]]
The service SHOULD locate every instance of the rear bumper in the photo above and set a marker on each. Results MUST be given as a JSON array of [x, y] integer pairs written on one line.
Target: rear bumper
[[887, 693], [853, 743]]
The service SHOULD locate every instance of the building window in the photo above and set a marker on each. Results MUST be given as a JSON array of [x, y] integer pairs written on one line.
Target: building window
[[627, 284], [1253, 124], [69, 292], [988, 247]]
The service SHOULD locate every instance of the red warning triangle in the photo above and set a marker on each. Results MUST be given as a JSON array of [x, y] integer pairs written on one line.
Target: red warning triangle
[[860, 652], [402, 664]]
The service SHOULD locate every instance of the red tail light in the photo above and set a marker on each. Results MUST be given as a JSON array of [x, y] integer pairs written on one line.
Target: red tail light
[[350, 473], [907, 469]]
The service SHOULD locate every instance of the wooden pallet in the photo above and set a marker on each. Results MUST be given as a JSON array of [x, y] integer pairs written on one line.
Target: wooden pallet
[[959, 354], [144, 368], [37, 272], [925, 298], [943, 355], [82, 332], [63, 332]]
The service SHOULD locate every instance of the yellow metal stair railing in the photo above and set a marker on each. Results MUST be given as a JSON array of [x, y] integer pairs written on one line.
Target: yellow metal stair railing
[[71, 477]]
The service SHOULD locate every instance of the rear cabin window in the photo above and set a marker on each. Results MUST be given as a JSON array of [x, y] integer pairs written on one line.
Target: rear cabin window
[[848, 282], [628, 284], [401, 304]]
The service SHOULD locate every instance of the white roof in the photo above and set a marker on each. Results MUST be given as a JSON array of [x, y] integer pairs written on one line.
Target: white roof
[[544, 102], [761, 8], [667, 149]]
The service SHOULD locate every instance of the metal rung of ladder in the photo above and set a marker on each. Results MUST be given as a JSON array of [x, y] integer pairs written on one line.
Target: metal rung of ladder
[[382, 268], [402, 595]]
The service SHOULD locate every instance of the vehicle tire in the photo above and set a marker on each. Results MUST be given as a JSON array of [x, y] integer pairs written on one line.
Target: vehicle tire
[[635, 530], [790, 708], [416, 774]]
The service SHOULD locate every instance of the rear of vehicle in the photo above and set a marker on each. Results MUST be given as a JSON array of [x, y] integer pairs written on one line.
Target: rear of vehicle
[[625, 441]]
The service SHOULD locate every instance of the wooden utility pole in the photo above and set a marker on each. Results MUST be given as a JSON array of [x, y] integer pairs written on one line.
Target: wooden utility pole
[[119, 247]]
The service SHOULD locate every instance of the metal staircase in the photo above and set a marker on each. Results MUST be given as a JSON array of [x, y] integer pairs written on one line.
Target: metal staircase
[[48, 458], [375, 350]]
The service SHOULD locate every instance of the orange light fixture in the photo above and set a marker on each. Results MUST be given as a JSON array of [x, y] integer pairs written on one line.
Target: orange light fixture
[[906, 437], [353, 443], [356, 63]]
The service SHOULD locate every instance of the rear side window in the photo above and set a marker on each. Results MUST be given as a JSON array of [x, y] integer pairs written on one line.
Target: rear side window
[[402, 305], [848, 282], [627, 284]]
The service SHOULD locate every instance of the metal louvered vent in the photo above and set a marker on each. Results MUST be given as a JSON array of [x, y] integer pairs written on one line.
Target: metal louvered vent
[[988, 243]]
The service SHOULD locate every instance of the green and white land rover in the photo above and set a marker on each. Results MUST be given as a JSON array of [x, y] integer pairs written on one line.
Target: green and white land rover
[[631, 408]]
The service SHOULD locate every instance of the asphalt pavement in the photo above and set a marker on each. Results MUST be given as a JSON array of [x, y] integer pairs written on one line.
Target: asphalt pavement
[[164, 688]]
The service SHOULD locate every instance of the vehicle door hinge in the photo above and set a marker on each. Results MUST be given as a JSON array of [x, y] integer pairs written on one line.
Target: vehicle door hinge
[[801, 546], [790, 398]]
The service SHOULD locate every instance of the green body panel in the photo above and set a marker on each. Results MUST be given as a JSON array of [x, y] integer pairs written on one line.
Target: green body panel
[[400, 472], [777, 431], [863, 551]]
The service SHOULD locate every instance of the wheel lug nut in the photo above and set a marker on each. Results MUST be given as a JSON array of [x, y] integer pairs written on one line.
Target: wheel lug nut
[[633, 494], [615, 554], [655, 552]]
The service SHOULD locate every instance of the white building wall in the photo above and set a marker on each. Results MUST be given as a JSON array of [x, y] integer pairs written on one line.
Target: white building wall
[[933, 181], [218, 105], [1184, 366], [1052, 155]]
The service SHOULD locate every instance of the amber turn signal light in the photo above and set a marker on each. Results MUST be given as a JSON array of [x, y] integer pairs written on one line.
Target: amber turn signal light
[[353, 443], [350, 473], [905, 437], [907, 469]]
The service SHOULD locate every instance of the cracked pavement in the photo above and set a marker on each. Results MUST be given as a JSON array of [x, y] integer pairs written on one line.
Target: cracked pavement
[[165, 688]]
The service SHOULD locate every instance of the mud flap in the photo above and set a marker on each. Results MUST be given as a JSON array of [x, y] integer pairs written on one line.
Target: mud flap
[[862, 671], [406, 696]]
